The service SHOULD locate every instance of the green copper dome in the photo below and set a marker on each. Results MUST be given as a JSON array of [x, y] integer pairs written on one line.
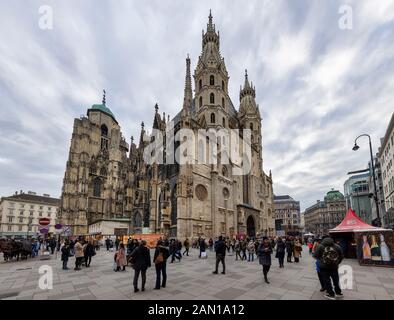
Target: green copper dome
[[334, 195], [103, 108]]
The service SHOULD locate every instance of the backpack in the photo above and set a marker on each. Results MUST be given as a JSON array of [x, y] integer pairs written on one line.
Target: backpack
[[330, 256], [159, 258]]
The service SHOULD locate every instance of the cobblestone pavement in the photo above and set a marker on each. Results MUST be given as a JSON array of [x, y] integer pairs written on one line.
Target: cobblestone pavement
[[191, 279]]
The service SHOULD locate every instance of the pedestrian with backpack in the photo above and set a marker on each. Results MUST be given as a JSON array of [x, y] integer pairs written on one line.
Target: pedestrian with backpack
[[329, 255], [160, 260]]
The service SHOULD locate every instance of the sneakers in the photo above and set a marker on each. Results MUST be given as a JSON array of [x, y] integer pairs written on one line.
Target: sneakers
[[329, 296]]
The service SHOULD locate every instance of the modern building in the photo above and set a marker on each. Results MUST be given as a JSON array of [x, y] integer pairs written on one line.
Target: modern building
[[357, 196], [109, 185], [287, 215], [21, 212], [386, 159], [325, 215]]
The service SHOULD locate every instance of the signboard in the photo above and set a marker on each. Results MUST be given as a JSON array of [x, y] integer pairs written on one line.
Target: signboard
[[44, 230], [44, 221], [67, 230], [120, 231], [58, 226]]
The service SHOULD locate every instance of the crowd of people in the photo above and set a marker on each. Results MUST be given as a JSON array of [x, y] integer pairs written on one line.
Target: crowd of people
[[328, 255]]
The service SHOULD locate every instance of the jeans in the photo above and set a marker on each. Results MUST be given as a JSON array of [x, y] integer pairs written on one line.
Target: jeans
[[320, 279], [244, 255], [220, 258], [251, 255], [88, 260], [281, 258], [161, 269], [327, 275], [65, 264], [266, 269], [186, 251], [137, 275], [238, 254], [78, 262], [289, 254]]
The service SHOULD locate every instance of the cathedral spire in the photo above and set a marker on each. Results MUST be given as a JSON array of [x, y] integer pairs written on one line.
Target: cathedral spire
[[247, 90], [188, 95], [210, 36]]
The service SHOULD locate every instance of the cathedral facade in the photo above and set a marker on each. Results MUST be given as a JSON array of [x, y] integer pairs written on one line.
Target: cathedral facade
[[109, 185]]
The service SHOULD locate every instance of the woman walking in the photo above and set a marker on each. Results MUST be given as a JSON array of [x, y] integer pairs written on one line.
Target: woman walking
[[297, 251], [89, 252], [264, 252], [160, 261], [121, 260], [280, 252], [65, 255]]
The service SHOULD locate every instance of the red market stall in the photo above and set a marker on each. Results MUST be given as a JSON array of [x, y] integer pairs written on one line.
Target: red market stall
[[359, 240]]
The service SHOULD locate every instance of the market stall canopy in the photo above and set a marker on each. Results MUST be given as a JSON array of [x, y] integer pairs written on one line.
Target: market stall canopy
[[353, 223]]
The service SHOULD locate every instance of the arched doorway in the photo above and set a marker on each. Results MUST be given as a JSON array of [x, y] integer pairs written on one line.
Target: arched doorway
[[251, 227]]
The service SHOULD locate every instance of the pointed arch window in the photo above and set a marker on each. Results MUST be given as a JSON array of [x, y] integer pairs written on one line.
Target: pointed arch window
[[223, 102], [212, 98], [251, 126], [224, 122], [211, 80], [104, 137], [200, 84], [103, 172], [222, 85], [212, 118], [200, 103], [97, 187]]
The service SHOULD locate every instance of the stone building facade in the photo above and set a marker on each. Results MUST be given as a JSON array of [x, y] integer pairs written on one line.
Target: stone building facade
[[287, 215], [108, 180], [21, 212], [325, 215]]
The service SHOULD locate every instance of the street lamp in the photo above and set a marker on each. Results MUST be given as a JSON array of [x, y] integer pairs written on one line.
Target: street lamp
[[355, 148]]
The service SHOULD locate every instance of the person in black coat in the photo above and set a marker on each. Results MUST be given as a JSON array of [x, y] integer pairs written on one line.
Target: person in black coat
[[220, 248], [140, 258], [264, 252], [289, 249], [202, 246], [65, 254], [89, 253], [280, 252], [160, 260]]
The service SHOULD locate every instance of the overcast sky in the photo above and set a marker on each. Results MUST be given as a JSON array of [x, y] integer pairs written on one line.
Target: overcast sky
[[318, 86]]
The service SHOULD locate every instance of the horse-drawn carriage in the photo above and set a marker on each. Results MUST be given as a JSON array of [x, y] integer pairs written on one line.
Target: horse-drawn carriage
[[15, 248]]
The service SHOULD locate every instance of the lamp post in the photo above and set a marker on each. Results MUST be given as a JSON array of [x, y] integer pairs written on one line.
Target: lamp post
[[355, 148]]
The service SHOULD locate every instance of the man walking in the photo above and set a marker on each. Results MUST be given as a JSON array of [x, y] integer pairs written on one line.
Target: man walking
[[186, 243], [329, 255], [220, 249]]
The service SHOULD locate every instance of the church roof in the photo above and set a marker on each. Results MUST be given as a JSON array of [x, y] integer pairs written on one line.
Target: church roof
[[334, 195], [103, 108]]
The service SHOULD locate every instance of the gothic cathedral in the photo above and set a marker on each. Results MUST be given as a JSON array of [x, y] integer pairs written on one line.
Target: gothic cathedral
[[109, 188]]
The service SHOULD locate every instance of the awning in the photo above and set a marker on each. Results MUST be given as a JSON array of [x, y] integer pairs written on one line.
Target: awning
[[353, 223]]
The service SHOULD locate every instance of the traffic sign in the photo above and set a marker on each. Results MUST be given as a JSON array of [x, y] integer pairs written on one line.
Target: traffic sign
[[44, 221], [44, 230], [58, 226], [67, 230]]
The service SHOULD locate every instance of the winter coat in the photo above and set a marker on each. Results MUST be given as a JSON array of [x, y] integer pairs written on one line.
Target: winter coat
[[202, 246], [251, 247], [297, 249], [140, 258], [89, 250], [220, 248], [289, 246], [78, 250], [280, 249], [121, 258], [65, 253], [264, 252], [327, 242]]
